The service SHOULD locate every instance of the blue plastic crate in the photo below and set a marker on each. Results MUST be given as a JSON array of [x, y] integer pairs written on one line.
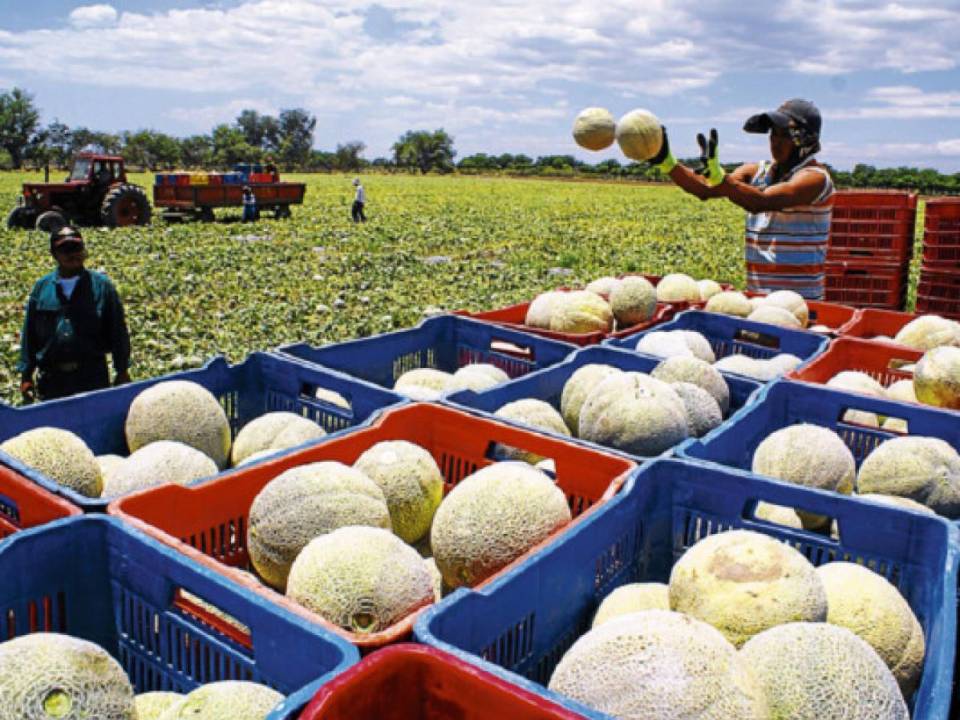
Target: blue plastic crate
[[520, 626], [786, 402], [547, 384], [731, 335], [93, 578], [261, 383], [446, 343]]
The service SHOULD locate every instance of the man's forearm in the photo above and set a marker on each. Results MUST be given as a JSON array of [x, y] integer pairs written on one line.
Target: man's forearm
[[692, 183]]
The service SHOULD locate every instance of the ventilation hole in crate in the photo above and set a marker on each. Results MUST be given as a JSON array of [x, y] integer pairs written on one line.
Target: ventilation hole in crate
[[512, 646], [610, 563]]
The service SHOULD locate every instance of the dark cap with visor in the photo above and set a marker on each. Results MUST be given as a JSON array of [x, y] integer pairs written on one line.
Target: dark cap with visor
[[792, 113], [66, 238]]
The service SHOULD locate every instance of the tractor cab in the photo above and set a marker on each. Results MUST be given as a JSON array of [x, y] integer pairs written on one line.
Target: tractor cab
[[95, 193]]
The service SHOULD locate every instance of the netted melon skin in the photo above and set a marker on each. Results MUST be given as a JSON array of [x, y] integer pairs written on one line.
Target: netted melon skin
[[639, 135], [867, 604], [773, 315], [791, 301], [151, 705], [332, 397], [703, 413], [634, 413], [491, 518], [158, 463], [541, 309], [902, 391], [60, 455], [273, 431], [362, 579], [181, 411], [708, 288], [594, 128], [744, 582], [729, 302], [807, 455], [477, 377], [818, 671], [633, 301], [411, 482], [678, 287], [923, 469], [936, 379], [778, 514], [602, 286], [535, 413], [580, 312], [668, 343], [226, 700], [698, 372], [578, 388], [48, 675], [303, 503], [631, 598], [659, 665], [929, 331], [423, 383]]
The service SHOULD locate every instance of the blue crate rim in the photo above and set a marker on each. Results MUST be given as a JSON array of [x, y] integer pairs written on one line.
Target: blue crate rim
[[293, 702], [99, 504]]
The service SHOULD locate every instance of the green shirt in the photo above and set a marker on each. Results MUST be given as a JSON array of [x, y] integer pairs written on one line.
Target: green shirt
[[85, 327]]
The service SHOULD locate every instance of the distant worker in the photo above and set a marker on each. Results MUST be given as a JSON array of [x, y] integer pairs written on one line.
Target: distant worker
[[249, 204], [359, 200], [74, 318], [271, 169], [789, 202]]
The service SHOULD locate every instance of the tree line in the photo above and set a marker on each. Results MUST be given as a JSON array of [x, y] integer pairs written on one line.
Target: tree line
[[288, 139]]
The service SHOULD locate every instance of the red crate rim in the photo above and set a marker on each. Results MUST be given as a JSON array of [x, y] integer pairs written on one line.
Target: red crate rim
[[410, 415]]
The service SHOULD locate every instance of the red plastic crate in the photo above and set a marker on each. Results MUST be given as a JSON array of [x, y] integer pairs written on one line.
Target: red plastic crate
[[208, 521], [416, 682], [833, 315], [949, 308], [24, 504], [865, 283], [939, 283], [936, 255], [872, 224], [881, 361], [872, 322]]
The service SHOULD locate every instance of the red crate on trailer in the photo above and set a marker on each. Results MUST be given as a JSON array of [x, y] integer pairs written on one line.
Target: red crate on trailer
[[872, 224], [416, 682], [208, 521], [23, 504], [867, 283], [940, 284], [941, 224]]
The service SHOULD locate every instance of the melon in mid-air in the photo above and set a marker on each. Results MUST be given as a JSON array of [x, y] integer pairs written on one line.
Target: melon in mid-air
[[594, 128], [639, 135]]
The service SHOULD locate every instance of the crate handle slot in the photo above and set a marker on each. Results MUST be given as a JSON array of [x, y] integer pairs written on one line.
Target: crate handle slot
[[511, 348], [757, 338], [209, 614], [902, 365], [750, 513], [498, 452]]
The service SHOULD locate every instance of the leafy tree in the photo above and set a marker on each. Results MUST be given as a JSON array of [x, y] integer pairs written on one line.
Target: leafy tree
[[425, 151], [230, 146], [151, 149], [196, 151], [262, 131], [347, 156], [60, 141], [295, 137], [19, 120]]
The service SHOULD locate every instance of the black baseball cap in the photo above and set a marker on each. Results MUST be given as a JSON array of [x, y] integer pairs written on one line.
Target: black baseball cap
[[65, 237], [800, 112]]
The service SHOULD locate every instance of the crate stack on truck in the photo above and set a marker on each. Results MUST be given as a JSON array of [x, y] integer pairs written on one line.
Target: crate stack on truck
[[939, 287]]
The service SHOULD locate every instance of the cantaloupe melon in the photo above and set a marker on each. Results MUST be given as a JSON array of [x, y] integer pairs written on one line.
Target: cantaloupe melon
[[60, 455], [633, 300], [273, 431], [594, 128], [226, 700], [923, 469]]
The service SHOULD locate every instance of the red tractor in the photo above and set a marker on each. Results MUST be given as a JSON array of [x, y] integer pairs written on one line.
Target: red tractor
[[96, 193]]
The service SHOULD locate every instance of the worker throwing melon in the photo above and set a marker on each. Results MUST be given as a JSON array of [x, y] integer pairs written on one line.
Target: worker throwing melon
[[789, 201]]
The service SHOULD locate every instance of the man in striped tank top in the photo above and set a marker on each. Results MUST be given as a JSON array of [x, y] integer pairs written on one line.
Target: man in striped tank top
[[789, 201]]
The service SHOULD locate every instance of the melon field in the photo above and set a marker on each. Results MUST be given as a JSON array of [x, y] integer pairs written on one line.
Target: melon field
[[196, 290]]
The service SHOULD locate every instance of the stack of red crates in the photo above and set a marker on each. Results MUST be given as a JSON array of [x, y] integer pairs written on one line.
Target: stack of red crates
[[871, 244], [939, 288]]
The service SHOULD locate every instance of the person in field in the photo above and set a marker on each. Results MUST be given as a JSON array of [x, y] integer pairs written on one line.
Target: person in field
[[74, 318], [249, 205], [359, 201], [789, 201]]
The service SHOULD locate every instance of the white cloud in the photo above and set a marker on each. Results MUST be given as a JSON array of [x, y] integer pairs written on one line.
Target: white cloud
[[902, 102], [90, 16]]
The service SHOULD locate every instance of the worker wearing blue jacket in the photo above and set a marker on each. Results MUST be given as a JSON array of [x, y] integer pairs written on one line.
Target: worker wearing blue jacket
[[74, 317]]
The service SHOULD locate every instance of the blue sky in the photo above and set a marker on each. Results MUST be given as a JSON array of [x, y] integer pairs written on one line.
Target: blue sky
[[501, 75]]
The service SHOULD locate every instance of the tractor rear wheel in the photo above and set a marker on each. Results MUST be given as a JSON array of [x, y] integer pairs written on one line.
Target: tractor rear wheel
[[50, 221], [125, 205]]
